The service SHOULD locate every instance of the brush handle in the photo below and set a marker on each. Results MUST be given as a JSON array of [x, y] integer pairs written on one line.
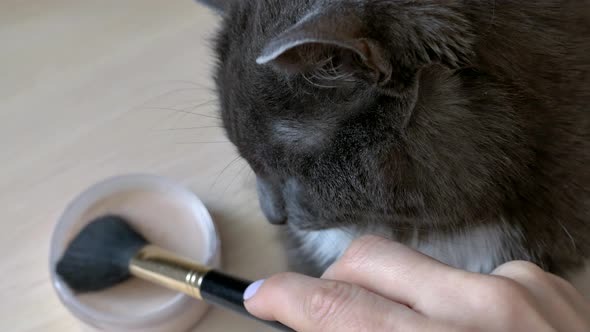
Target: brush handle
[[228, 292], [164, 268]]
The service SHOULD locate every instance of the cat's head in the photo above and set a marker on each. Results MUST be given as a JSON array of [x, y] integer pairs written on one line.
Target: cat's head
[[356, 111]]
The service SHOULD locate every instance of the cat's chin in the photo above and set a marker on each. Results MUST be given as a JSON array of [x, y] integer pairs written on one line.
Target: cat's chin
[[311, 252]]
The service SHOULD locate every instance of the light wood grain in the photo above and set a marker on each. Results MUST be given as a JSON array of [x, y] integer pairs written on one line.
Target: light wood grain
[[87, 90]]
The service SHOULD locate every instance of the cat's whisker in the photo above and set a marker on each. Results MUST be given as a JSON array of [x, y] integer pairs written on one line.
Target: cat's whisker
[[165, 94], [191, 128], [203, 142], [183, 111], [189, 104], [193, 83], [198, 106], [189, 110], [233, 161], [234, 178]]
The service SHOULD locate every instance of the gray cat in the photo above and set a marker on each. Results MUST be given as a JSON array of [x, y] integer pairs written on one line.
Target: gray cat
[[461, 128]]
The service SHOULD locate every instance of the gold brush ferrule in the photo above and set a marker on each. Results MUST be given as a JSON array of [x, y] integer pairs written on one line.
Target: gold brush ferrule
[[164, 268]]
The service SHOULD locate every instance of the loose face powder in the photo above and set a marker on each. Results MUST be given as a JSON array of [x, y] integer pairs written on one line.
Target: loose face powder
[[164, 220], [167, 216]]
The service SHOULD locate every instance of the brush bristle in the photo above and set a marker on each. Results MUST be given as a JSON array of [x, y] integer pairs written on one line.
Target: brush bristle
[[98, 258]]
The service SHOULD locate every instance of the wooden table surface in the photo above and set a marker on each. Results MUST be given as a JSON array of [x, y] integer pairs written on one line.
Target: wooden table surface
[[92, 89]]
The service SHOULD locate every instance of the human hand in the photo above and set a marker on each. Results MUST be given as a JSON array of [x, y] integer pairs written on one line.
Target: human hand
[[378, 285]]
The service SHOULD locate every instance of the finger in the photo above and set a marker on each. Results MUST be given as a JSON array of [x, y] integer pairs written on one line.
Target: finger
[[577, 301], [398, 273], [308, 304], [529, 276], [557, 301], [567, 287]]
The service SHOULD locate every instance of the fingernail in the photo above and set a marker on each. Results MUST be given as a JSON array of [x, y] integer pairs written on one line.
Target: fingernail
[[252, 289]]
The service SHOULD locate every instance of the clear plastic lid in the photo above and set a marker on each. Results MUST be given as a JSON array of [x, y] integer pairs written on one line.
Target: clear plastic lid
[[168, 215]]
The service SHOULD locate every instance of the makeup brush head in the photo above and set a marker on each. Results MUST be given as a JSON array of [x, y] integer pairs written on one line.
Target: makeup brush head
[[99, 256]]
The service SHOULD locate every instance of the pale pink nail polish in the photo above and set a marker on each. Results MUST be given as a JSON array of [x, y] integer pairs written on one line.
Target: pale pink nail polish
[[252, 289]]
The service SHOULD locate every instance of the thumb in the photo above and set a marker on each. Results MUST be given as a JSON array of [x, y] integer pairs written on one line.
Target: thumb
[[307, 304]]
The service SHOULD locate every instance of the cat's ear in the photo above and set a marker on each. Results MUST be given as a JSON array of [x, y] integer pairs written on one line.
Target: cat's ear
[[385, 45], [336, 42], [218, 5]]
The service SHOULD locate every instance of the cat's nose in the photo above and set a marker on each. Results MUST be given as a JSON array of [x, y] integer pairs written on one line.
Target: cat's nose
[[271, 201]]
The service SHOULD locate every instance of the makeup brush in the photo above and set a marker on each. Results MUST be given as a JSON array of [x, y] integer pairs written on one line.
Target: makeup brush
[[109, 251]]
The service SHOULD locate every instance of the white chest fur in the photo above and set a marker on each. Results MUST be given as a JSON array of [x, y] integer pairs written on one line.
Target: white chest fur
[[477, 250]]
